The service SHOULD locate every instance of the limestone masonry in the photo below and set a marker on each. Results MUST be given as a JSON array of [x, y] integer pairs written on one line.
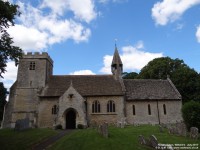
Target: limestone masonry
[[48, 100]]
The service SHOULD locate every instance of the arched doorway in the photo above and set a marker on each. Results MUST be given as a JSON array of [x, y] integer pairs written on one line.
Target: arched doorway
[[71, 119]]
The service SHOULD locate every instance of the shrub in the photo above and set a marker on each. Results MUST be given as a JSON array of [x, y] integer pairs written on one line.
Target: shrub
[[59, 126], [80, 126], [190, 113]]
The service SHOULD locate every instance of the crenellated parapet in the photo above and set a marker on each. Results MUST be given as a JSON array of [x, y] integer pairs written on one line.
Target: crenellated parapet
[[37, 55]]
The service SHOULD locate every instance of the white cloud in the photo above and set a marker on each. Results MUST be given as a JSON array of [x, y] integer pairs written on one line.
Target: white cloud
[[46, 24], [83, 10], [198, 34], [11, 74], [171, 10], [134, 58], [29, 39], [83, 72]]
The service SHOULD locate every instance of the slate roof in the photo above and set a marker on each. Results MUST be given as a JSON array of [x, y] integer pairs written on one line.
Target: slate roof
[[148, 89], [86, 85]]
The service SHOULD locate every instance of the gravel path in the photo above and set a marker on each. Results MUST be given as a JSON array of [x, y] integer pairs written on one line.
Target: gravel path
[[44, 144]]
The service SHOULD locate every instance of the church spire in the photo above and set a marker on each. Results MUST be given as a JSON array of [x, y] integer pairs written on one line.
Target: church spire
[[117, 66]]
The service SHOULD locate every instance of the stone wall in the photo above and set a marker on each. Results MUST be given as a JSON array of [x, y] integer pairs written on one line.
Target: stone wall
[[71, 99], [104, 116], [45, 116], [173, 112]]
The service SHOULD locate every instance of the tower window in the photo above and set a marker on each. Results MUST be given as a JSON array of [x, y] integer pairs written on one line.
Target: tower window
[[96, 107], [149, 109], [32, 65], [111, 106], [164, 109], [133, 109]]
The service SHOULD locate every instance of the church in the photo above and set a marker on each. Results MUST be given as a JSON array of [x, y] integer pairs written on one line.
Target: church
[[48, 100]]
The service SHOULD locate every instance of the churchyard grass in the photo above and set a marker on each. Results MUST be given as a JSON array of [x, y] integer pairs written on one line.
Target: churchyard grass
[[22, 140], [119, 139]]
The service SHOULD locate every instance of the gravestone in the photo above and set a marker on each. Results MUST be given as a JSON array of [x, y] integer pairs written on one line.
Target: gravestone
[[181, 129], [142, 140], [22, 124], [153, 141], [105, 130], [194, 133], [161, 128]]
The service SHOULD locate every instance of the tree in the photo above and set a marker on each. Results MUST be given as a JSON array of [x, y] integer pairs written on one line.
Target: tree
[[186, 80], [190, 112], [7, 50], [3, 93], [131, 75]]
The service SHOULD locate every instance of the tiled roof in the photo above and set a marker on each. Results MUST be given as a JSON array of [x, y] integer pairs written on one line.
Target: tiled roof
[[86, 85], [148, 89]]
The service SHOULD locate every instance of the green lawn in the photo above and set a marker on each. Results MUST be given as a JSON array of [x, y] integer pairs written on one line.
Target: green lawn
[[15, 140], [119, 139], [89, 139]]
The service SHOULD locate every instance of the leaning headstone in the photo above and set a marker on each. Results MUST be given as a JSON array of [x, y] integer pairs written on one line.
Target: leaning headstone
[[142, 140], [194, 133], [153, 141], [22, 124]]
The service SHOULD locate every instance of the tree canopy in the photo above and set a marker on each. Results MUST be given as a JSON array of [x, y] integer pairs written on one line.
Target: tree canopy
[[186, 80], [3, 93], [8, 51]]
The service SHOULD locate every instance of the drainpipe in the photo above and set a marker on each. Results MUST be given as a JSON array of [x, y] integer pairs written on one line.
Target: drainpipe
[[158, 113]]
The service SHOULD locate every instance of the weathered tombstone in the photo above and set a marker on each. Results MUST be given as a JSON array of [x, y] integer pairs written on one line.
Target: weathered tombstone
[[194, 133], [181, 129], [22, 124], [142, 140], [105, 130], [161, 128], [153, 140]]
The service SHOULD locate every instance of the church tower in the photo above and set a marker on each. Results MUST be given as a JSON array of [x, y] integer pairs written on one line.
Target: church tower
[[117, 66]]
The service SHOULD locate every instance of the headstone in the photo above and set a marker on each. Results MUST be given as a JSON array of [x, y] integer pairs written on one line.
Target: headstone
[[142, 140], [22, 124], [194, 133], [153, 140], [105, 130], [181, 129], [161, 128]]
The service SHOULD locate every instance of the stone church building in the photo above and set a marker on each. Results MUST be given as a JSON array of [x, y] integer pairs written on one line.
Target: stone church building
[[68, 100]]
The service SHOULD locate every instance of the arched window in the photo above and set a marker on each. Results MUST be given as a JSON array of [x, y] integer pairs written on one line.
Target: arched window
[[133, 109], [54, 109], [149, 109], [111, 106], [96, 107], [164, 109]]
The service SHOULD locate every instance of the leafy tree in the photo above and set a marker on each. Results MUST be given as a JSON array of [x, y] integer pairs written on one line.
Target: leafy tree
[[190, 112], [186, 80], [3, 93], [131, 75], [7, 50]]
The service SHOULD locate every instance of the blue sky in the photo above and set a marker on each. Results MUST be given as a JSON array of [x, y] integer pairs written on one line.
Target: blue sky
[[80, 35]]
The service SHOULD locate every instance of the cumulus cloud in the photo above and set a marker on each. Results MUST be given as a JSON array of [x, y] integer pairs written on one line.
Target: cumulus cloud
[[83, 10], [171, 10], [198, 34], [10, 76], [134, 58], [83, 72], [48, 23]]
